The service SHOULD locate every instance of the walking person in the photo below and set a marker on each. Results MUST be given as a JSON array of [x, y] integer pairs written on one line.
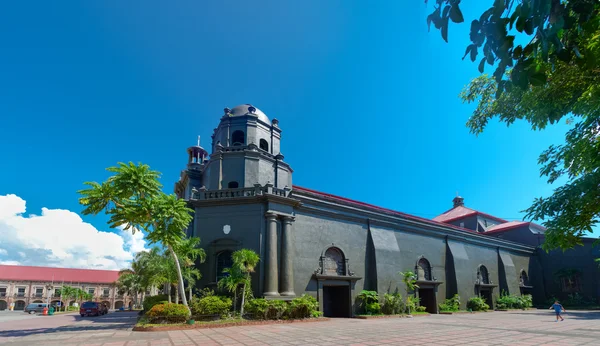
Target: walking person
[[558, 308]]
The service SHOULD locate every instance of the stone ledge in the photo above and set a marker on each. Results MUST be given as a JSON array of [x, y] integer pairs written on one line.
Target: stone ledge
[[209, 325]]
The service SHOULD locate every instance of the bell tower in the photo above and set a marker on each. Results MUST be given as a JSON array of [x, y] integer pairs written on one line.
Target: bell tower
[[246, 151], [191, 178]]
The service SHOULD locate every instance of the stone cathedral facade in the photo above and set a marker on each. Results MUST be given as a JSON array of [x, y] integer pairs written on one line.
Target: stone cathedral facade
[[331, 247]]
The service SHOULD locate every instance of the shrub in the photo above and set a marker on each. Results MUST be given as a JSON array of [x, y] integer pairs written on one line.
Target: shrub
[[411, 303], [392, 304], [367, 300], [506, 301], [276, 309], [257, 308], [421, 308], [150, 301], [168, 313], [304, 307], [210, 306], [451, 304], [477, 304]]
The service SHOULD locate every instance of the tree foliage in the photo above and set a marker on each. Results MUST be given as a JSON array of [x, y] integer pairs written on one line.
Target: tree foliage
[[133, 200], [557, 29], [555, 77]]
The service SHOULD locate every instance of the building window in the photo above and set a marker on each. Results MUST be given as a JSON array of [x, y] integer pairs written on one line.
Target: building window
[[106, 292], [233, 185], [238, 138], [91, 291], [423, 270], [570, 284], [21, 292], [39, 292], [264, 145], [334, 262], [223, 261], [2, 291], [483, 275]]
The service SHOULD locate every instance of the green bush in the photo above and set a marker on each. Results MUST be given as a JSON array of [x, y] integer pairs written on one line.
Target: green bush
[[304, 306], [411, 304], [477, 304], [150, 301], [369, 302], [168, 313], [506, 301], [451, 304], [421, 308], [210, 306], [392, 304]]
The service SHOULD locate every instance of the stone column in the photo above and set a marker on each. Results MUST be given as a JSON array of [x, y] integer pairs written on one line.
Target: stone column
[[271, 277], [287, 263]]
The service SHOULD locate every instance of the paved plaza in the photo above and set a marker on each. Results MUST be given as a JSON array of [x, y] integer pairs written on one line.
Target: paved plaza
[[495, 328]]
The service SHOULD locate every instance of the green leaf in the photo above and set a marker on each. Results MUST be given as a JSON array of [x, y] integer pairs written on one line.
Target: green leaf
[[515, 15], [446, 12], [537, 79], [517, 52], [456, 15], [481, 65], [521, 24], [445, 29], [529, 27], [474, 53], [528, 50]]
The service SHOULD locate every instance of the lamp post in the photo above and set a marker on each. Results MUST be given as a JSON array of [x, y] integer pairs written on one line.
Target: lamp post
[[49, 288]]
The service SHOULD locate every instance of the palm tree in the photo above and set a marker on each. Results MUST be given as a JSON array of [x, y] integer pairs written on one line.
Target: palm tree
[[232, 281], [68, 292], [189, 252], [151, 269], [133, 199], [129, 281], [410, 280], [245, 261]]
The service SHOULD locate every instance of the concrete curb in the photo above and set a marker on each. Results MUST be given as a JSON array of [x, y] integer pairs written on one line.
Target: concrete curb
[[209, 325]]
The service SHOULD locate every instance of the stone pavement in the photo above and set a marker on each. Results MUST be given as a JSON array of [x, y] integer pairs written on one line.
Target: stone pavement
[[496, 328]]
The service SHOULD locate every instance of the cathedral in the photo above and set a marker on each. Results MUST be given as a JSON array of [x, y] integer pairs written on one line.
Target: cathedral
[[331, 247]]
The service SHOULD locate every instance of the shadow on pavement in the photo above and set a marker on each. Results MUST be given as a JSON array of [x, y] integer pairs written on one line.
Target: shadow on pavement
[[111, 321], [575, 314]]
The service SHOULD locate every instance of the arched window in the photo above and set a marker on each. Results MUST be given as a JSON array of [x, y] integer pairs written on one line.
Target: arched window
[[223, 261], [524, 278], [238, 138], [423, 270], [334, 262], [264, 145], [483, 275], [233, 185]]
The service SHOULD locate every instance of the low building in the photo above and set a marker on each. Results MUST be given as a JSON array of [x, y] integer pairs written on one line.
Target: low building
[[22, 285]]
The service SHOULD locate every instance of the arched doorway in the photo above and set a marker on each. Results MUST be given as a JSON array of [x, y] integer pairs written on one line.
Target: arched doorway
[[37, 301], [484, 286], [20, 305], [427, 286], [524, 284], [118, 304], [3, 305], [107, 303], [335, 283]]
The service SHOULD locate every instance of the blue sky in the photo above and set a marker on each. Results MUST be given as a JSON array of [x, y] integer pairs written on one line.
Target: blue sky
[[366, 97]]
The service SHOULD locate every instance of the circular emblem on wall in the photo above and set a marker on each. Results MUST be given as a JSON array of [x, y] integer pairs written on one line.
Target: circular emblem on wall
[[226, 229]]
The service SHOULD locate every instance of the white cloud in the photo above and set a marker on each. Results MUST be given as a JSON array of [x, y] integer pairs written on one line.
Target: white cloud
[[61, 238], [10, 263]]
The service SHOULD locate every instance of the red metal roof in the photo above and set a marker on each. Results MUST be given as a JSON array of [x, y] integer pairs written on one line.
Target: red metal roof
[[462, 212], [27, 273], [380, 209]]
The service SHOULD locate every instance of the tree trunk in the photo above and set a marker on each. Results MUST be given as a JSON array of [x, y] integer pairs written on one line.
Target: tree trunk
[[235, 300], [177, 294], [244, 296], [190, 288], [169, 292], [181, 289]]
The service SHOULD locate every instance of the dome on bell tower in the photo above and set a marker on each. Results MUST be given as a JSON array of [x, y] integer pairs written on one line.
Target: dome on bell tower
[[248, 109]]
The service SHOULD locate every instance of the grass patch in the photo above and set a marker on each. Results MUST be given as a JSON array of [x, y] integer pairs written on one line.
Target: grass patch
[[143, 322], [420, 313]]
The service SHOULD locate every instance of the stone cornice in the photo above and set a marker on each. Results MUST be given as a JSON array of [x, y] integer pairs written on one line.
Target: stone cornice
[[330, 208]]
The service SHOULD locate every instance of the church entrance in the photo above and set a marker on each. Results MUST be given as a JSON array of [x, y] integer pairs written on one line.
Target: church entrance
[[486, 294], [335, 301], [428, 300]]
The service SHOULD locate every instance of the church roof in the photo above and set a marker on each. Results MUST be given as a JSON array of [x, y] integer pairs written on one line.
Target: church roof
[[58, 275], [461, 212], [379, 209]]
